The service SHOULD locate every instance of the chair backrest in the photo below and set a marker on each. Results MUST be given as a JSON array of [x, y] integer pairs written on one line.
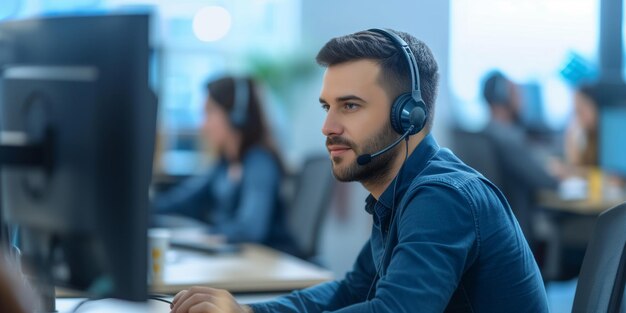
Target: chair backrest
[[309, 204], [603, 273], [478, 151]]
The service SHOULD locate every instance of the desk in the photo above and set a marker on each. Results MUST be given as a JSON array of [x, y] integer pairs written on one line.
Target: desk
[[66, 305], [254, 269], [567, 226], [552, 201]]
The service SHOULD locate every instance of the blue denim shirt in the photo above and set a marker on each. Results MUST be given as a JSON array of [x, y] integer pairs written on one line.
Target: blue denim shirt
[[453, 246]]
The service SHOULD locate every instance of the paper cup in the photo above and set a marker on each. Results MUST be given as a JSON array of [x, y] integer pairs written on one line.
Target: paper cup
[[158, 244]]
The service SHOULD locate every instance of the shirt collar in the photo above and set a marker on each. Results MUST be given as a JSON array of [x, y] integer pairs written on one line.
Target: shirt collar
[[415, 163]]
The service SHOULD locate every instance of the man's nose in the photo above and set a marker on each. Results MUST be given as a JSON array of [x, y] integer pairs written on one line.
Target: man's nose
[[331, 126]]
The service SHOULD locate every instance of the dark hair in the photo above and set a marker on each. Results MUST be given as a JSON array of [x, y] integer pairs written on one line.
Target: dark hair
[[592, 92], [254, 131], [395, 75], [496, 89]]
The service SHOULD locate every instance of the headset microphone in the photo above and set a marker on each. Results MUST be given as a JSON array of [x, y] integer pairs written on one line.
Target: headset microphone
[[417, 118], [366, 158]]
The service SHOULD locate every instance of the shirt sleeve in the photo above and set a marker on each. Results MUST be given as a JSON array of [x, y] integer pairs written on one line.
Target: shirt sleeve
[[191, 198], [258, 200], [328, 296], [437, 241]]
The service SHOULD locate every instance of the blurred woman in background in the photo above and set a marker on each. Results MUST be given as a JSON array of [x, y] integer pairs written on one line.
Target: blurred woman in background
[[581, 138], [239, 197], [582, 146]]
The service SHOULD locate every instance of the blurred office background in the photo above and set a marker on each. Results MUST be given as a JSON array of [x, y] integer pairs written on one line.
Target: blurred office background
[[546, 46]]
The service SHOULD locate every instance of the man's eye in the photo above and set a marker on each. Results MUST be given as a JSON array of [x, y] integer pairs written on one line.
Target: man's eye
[[351, 106], [325, 107]]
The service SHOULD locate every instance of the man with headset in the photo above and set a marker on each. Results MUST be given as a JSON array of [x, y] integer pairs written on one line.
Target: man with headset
[[443, 237], [522, 175]]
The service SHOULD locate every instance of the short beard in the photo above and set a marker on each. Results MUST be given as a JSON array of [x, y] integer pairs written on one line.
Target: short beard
[[377, 169]]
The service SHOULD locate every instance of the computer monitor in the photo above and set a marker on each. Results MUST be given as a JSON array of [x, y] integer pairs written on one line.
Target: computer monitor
[[78, 123], [532, 115], [612, 145]]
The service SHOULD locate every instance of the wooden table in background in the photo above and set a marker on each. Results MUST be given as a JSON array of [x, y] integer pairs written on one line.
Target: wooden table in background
[[570, 224], [255, 269], [551, 200]]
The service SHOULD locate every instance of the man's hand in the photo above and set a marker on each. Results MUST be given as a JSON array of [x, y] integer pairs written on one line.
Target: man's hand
[[206, 300]]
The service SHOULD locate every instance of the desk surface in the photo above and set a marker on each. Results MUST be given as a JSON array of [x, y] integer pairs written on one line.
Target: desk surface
[[254, 269], [551, 200], [67, 305]]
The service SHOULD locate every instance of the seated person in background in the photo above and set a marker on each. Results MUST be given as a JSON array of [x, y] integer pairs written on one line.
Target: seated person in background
[[522, 174], [581, 137], [443, 238], [239, 197]]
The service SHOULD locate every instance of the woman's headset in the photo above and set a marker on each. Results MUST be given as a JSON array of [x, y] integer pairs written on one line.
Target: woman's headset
[[241, 98]]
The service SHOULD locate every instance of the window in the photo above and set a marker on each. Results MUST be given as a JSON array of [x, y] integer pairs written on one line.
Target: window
[[530, 41], [189, 47]]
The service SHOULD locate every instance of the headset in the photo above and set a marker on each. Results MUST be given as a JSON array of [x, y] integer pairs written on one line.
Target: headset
[[408, 111], [241, 98]]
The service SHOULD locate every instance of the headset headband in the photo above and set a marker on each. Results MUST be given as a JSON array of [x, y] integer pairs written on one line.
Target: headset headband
[[241, 99], [416, 92]]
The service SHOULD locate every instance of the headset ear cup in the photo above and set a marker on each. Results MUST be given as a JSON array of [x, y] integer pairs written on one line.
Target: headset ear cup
[[396, 112], [241, 97], [406, 112], [418, 118]]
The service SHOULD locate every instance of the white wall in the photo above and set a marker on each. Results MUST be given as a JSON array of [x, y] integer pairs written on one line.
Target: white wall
[[347, 226]]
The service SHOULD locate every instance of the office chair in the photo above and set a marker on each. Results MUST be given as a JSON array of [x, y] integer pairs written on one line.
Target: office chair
[[603, 274], [477, 151], [309, 204]]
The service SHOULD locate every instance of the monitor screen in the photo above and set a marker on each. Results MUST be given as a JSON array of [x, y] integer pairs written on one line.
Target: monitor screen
[[77, 88], [533, 117], [612, 144]]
